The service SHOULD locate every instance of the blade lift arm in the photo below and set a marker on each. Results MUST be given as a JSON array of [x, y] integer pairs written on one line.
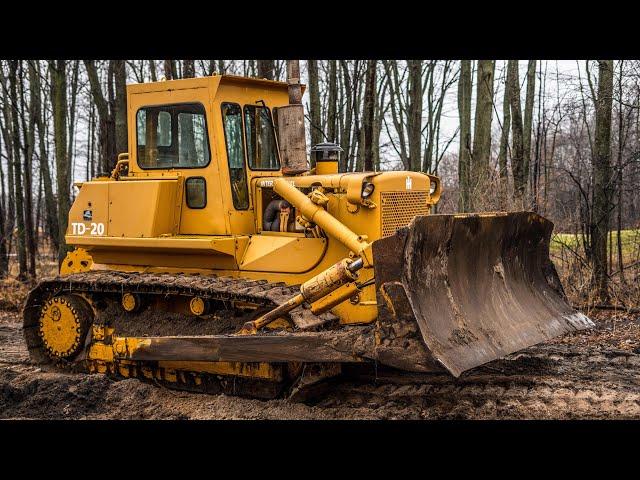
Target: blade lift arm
[[323, 288]]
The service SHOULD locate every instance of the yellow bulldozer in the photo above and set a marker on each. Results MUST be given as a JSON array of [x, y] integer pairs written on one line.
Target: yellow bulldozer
[[212, 258]]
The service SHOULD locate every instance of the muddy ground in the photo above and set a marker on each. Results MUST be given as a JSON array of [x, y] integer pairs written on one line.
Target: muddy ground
[[593, 374]]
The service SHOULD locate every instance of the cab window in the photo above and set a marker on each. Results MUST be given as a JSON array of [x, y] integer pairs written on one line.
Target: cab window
[[232, 121], [172, 136], [262, 151]]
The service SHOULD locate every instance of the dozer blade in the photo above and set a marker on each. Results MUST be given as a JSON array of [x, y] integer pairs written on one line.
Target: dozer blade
[[479, 286]]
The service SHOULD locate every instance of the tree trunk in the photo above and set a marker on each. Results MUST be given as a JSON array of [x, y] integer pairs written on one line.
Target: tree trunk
[[106, 129], [17, 172], [414, 127], [602, 185], [8, 142], [58, 80], [345, 134], [504, 146], [369, 114], [71, 122], [45, 172], [528, 118], [120, 77], [314, 104], [482, 127], [152, 71], [4, 254], [464, 155], [188, 69], [380, 110], [170, 70], [28, 130], [517, 160], [266, 69], [620, 167], [332, 101]]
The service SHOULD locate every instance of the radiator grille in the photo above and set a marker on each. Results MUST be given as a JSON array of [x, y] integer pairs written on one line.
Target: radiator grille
[[399, 208]]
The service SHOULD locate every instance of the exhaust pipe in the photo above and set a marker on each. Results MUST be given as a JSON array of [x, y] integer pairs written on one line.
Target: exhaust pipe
[[291, 133]]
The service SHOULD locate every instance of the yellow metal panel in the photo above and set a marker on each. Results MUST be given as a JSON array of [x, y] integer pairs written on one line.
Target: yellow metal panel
[[189, 245], [252, 370], [142, 209], [101, 351], [189, 252], [93, 196], [287, 254]]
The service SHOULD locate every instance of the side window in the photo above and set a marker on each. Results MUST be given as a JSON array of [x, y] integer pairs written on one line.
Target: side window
[[232, 121], [161, 135], [196, 192], [172, 136], [262, 151]]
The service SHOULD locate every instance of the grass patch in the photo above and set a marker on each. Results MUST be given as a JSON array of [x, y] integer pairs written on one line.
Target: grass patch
[[630, 243]]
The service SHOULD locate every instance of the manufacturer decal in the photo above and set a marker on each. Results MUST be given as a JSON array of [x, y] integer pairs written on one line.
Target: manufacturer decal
[[269, 183]]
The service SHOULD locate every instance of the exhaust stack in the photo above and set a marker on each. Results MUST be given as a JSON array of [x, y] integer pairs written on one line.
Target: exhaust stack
[[291, 133]]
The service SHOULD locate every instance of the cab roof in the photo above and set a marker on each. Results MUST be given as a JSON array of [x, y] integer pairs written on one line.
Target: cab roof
[[212, 82]]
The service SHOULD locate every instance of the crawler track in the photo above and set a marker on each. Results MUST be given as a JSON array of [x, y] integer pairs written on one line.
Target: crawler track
[[230, 296], [227, 292]]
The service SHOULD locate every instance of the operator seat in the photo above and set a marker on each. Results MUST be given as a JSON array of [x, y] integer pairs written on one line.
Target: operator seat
[[279, 217]]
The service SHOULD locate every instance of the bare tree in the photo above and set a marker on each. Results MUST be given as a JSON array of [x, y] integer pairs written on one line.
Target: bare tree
[[29, 134], [188, 69], [602, 182], [7, 134], [170, 70], [106, 129], [464, 155], [58, 81], [51, 220], [17, 170], [528, 117], [517, 151], [266, 69], [482, 126], [414, 112], [369, 112], [332, 100], [152, 71], [504, 146], [120, 106], [314, 103]]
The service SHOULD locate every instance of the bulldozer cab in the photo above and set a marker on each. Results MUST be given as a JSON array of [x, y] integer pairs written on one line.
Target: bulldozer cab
[[213, 136]]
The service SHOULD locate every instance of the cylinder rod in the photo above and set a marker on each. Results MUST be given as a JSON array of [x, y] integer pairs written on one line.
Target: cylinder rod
[[318, 215], [313, 289]]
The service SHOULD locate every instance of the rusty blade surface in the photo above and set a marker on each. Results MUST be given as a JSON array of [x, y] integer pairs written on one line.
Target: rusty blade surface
[[479, 286]]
